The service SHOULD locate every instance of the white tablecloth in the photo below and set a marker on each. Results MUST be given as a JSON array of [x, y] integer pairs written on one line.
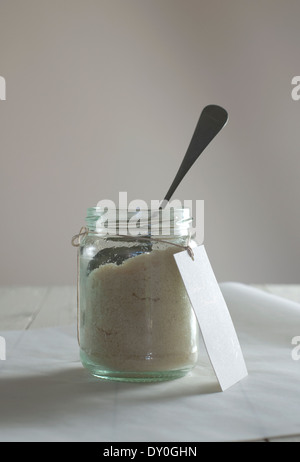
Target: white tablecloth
[[46, 395]]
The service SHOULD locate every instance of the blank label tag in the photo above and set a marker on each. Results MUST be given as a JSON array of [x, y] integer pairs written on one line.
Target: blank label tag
[[214, 320]]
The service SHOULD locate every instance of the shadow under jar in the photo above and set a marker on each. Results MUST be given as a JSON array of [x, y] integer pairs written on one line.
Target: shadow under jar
[[135, 320]]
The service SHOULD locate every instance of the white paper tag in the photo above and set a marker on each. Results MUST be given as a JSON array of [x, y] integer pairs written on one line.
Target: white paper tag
[[214, 319]]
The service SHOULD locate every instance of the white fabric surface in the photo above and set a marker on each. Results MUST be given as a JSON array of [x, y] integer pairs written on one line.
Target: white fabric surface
[[46, 395]]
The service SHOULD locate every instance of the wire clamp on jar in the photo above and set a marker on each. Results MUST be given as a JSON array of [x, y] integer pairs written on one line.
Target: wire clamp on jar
[[77, 238], [84, 232]]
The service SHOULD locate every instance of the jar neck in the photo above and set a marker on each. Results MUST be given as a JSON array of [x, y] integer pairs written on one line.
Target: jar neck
[[157, 223]]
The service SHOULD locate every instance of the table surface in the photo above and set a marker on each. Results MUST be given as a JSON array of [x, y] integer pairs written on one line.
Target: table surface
[[23, 308]]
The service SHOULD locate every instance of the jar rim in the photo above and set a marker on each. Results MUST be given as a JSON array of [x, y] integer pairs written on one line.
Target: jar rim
[[117, 221]]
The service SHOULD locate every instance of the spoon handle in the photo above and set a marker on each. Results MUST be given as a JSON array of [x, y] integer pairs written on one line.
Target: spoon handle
[[211, 121]]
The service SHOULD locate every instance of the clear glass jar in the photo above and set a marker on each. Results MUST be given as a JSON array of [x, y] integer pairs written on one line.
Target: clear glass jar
[[135, 320]]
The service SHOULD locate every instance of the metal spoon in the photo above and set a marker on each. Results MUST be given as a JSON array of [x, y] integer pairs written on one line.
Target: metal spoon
[[212, 119]]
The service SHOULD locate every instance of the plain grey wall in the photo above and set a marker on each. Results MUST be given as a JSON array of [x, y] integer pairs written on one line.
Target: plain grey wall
[[103, 96]]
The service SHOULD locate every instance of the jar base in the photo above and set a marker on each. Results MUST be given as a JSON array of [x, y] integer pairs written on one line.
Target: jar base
[[132, 376], [142, 377]]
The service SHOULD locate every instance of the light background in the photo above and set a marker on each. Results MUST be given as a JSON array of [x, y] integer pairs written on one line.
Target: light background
[[103, 96]]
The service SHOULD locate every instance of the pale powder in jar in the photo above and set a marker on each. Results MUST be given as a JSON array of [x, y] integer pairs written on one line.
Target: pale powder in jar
[[138, 316]]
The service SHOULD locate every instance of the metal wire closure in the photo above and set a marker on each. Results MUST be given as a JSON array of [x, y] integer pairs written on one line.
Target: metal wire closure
[[76, 239], [84, 232]]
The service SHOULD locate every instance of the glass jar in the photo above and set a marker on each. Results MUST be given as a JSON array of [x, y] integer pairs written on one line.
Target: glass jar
[[135, 320]]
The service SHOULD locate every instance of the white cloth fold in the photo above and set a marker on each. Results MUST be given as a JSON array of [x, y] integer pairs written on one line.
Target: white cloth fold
[[46, 395]]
